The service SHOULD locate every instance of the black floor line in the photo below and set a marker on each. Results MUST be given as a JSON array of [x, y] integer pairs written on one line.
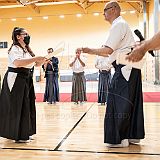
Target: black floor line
[[26, 149], [111, 152], [77, 151], [62, 141]]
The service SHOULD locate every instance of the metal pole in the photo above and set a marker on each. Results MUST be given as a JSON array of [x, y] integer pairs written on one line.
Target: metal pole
[[145, 31], [144, 19], [156, 15]]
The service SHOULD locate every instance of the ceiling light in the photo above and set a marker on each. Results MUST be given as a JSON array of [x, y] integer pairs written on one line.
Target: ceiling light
[[45, 17], [24, 1], [55, 3], [29, 18], [41, 4], [79, 15], [13, 19], [123, 12], [132, 12], [12, 6], [61, 16], [96, 14]]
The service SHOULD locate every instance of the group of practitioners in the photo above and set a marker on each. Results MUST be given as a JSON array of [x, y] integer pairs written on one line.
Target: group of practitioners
[[123, 122], [77, 63]]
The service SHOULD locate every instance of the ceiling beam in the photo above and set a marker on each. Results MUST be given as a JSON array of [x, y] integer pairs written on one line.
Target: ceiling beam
[[32, 6], [136, 6], [83, 4], [117, 0]]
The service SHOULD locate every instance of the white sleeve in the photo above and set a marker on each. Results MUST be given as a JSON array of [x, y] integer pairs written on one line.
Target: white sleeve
[[15, 53], [71, 59], [116, 34], [84, 59], [106, 65], [96, 61]]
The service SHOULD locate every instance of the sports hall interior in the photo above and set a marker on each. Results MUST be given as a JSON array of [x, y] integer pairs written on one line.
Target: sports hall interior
[[66, 130]]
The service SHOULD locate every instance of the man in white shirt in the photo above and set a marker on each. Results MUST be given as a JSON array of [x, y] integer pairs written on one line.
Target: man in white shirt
[[124, 121], [78, 79]]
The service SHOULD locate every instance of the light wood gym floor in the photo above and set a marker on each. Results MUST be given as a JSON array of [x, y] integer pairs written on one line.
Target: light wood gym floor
[[75, 132]]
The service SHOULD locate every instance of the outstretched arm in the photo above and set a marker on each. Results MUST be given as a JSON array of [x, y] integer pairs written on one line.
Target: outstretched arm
[[25, 62], [105, 52], [153, 43]]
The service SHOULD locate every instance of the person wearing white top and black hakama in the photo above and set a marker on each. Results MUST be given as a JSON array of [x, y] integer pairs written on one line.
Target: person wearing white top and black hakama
[[104, 67], [78, 78], [124, 120], [17, 98], [51, 74]]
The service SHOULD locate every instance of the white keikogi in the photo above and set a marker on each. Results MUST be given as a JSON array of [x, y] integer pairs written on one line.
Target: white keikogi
[[77, 67], [16, 53], [103, 63], [119, 39]]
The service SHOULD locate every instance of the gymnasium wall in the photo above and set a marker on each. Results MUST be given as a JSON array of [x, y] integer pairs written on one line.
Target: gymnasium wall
[[71, 31]]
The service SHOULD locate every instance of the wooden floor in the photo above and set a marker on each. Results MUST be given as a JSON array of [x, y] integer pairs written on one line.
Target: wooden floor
[[67, 131]]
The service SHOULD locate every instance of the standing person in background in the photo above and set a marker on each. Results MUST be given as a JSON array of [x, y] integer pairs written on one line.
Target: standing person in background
[[17, 98], [51, 74], [102, 63], [78, 79]]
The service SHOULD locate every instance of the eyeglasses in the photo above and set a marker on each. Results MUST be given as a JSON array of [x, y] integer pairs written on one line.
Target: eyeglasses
[[24, 34], [106, 9]]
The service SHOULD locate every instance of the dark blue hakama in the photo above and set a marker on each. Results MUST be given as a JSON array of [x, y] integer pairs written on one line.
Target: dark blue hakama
[[104, 80], [124, 113], [52, 87]]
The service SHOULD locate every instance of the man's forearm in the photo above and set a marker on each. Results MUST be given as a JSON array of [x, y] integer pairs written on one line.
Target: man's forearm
[[105, 52], [153, 43], [82, 63], [71, 64]]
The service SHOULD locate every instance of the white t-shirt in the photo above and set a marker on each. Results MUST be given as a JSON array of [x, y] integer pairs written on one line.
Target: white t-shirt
[[18, 53], [102, 63], [119, 39], [77, 67]]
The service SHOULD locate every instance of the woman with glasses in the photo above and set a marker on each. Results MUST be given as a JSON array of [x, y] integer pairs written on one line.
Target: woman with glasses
[[17, 98]]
